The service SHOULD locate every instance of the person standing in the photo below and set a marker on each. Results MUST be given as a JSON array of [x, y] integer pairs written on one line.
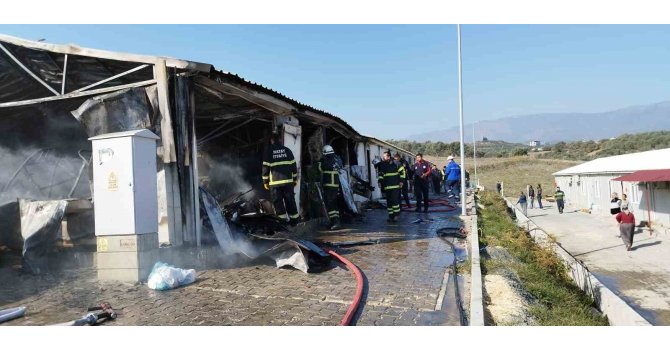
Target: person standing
[[539, 196], [624, 200], [626, 221], [524, 203], [615, 204], [498, 187], [531, 195], [436, 176], [421, 171], [560, 197], [280, 176], [330, 182], [444, 180], [453, 177], [404, 179], [390, 177]]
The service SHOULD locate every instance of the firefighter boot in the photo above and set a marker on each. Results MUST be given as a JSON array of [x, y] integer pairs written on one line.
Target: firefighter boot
[[336, 224]]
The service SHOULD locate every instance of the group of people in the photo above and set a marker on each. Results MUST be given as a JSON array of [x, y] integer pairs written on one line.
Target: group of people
[[523, 201], [280, 176], [625, 218]]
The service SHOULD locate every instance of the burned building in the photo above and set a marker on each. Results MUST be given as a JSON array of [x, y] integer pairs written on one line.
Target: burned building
[[213, 128]]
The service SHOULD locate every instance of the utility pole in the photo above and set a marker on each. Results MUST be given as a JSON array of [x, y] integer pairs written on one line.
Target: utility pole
[[460, 109]]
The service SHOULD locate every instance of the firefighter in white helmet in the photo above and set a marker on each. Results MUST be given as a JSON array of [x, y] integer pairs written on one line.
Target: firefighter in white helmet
[[330, 181]]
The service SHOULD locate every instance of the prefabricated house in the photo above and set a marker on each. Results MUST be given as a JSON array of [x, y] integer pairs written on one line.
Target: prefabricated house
[[642, 176], [213, 128]]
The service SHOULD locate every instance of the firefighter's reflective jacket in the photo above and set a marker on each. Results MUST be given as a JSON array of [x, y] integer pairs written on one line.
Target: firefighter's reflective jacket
[[390, 173], [279, 166], [328, 167]]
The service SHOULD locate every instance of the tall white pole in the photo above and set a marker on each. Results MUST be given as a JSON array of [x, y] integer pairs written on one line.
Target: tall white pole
[[460, 109], [474, 153]]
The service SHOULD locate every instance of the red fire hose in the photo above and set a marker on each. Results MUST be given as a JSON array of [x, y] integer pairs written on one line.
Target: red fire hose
[[359, 287], [436, 202]]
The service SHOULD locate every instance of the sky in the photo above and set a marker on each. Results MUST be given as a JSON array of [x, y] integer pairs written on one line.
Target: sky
[[392, 81]]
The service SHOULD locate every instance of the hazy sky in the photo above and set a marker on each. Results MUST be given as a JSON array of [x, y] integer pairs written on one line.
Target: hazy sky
[[392, 81]]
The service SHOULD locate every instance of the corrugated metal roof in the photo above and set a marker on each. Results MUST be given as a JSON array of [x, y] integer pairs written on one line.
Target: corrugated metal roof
[[234, 78], [625, 163], [659, 175]]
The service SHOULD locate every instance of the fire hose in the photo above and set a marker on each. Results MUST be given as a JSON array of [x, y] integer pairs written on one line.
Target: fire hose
[[346, 321], [436, 202]]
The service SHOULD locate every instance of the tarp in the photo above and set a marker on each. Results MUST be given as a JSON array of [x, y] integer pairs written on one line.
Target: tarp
[[660, 175], [40, 224]]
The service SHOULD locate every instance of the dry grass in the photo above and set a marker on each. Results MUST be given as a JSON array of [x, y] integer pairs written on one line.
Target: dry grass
[[542, 273], [515, 172]]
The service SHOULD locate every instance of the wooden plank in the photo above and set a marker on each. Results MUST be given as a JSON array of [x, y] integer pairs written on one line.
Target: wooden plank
[[167, 133], [78, 94]]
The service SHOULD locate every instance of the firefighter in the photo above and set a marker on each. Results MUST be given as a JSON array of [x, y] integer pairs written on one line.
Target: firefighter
[[405, 184], [280, 176], [391, 176], [422, 178], [330, 182]]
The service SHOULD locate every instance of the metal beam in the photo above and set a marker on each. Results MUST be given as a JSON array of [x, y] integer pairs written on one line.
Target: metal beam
[[112, 78], [110, 55], [62, 89], [77, 94], [202, 141], [28, 70]]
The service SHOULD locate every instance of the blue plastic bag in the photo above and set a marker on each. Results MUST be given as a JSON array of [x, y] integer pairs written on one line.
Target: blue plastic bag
[[164, 277]]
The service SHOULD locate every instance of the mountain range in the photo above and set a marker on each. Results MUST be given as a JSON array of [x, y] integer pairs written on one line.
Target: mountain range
[[553, 127]]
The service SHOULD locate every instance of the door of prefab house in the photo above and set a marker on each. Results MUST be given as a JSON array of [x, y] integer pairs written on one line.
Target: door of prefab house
[[293, 140]]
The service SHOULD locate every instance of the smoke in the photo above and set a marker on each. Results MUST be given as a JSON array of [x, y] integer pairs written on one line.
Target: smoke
[[226, 175], [43, 174]]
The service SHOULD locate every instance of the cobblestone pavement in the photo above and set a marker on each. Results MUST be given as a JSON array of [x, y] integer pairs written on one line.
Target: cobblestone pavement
[[406, 275]]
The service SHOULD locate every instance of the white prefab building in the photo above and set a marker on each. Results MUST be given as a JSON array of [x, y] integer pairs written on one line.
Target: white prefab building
[[590, 185]]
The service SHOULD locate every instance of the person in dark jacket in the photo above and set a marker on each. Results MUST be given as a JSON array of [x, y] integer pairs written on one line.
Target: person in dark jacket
[[615, 204], [330, 182], [390, 177], [280, 176], [405, 182], [421, 171], [498, 187], [531, 195], [539, 196], [436, 175]]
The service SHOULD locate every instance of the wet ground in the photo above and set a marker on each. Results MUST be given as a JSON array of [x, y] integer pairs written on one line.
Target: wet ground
[[641, 277], [407, 273]]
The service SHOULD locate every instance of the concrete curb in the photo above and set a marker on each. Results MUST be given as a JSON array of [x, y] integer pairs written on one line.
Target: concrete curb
[[476, 293], [618, 312]]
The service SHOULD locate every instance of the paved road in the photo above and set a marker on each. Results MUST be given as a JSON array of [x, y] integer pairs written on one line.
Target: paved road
[[641, 277], [406, 279]]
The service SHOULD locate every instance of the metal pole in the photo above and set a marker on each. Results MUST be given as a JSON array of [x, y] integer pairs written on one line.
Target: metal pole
[[460, 110], [474, 153]]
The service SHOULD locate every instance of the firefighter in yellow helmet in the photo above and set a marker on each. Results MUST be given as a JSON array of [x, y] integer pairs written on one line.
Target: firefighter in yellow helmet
[[280, 175], [330, 181]]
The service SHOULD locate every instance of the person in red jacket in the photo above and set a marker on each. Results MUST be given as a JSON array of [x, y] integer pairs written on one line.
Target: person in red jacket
[[626, 221]]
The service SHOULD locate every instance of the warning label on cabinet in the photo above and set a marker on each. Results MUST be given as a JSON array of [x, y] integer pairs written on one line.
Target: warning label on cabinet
[[112, 182]]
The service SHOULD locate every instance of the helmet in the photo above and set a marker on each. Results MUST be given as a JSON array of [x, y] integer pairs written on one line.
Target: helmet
[[328, 149], [450, 157]]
